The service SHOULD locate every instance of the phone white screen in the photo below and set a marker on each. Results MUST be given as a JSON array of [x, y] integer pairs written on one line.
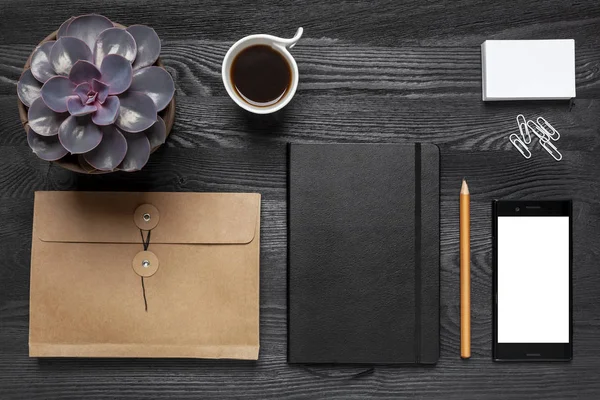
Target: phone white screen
[[533, 279]]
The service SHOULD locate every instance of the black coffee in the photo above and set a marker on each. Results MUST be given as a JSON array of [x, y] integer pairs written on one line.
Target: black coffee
[[261, 75]]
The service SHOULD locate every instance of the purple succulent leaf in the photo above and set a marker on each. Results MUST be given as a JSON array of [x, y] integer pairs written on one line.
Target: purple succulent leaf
[[77, 108], [110, 152], [114, 41], [47, 148], [62, 31], [116, 73], [43, 120], [102, 90], [156, 134], [79, 134], [155, 82], [148, 45], [88, 27], [56, 91], [138, 153], [40, 62], [66, 52], [82, 91], [84, 71], [84, 164], [137, 112], [107, 113], [28, 88]]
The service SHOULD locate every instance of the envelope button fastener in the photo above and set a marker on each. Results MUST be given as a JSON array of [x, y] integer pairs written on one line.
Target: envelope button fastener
[[145, 263], [146, 217]]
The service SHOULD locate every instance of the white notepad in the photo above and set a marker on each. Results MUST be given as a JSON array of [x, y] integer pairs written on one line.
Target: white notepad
[[528, 69]]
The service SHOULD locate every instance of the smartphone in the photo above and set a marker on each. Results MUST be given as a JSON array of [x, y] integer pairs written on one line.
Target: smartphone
[[532, 296]]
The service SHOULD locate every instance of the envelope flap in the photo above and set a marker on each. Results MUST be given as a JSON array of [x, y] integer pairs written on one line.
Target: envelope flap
[[184, 218]]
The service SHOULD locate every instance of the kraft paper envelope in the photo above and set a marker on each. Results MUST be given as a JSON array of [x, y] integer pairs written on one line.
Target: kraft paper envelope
[[200, 275]]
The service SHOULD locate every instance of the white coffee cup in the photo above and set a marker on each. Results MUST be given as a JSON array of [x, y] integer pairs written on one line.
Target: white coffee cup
[[278, 44]]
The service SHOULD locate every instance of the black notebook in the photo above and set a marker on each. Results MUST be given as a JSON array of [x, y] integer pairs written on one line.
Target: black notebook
[[363, 274]]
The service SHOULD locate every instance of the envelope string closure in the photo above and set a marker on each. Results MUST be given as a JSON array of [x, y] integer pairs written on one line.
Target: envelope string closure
[[145, 263], [146, 244]]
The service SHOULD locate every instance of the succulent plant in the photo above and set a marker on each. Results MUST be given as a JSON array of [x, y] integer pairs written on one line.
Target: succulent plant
[[95, 92]]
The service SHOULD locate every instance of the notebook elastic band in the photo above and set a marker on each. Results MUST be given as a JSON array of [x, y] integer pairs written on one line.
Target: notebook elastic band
[[417, 253]]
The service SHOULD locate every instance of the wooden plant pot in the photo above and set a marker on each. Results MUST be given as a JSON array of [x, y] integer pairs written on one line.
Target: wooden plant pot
[[76, 163]]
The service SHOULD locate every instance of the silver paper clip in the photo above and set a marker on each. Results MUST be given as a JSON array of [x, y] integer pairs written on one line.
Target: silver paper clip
[[536, 129], [541, 133], [518, 143], [522, 123], [551, 148], [549, 129]]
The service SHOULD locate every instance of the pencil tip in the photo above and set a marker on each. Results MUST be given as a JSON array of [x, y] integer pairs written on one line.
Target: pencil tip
[[464, 188]]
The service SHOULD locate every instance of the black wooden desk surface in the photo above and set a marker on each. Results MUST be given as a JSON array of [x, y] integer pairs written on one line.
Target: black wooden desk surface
[[378, 71]]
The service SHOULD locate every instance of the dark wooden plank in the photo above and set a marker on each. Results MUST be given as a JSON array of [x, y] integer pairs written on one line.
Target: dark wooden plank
[[378, 22], [379, 71], [216, 122], [337, 68]]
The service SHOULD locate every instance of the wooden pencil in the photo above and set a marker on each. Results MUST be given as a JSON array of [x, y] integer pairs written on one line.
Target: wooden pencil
[[465, 271]]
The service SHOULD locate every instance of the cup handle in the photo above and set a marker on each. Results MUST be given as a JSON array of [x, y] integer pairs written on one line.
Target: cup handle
[[289, 43]]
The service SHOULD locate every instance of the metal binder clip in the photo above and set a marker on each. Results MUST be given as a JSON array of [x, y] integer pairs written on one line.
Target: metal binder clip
[[518, 143], [522, 123], [549, 129]]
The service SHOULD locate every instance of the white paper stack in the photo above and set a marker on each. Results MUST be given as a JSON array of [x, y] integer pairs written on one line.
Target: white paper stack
[[528, 69]]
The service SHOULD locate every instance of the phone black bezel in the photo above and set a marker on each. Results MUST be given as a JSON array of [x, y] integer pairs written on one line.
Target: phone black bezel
[[531, 351]]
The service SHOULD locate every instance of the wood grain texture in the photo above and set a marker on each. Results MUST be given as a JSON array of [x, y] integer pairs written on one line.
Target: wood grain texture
[[370, 71]]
